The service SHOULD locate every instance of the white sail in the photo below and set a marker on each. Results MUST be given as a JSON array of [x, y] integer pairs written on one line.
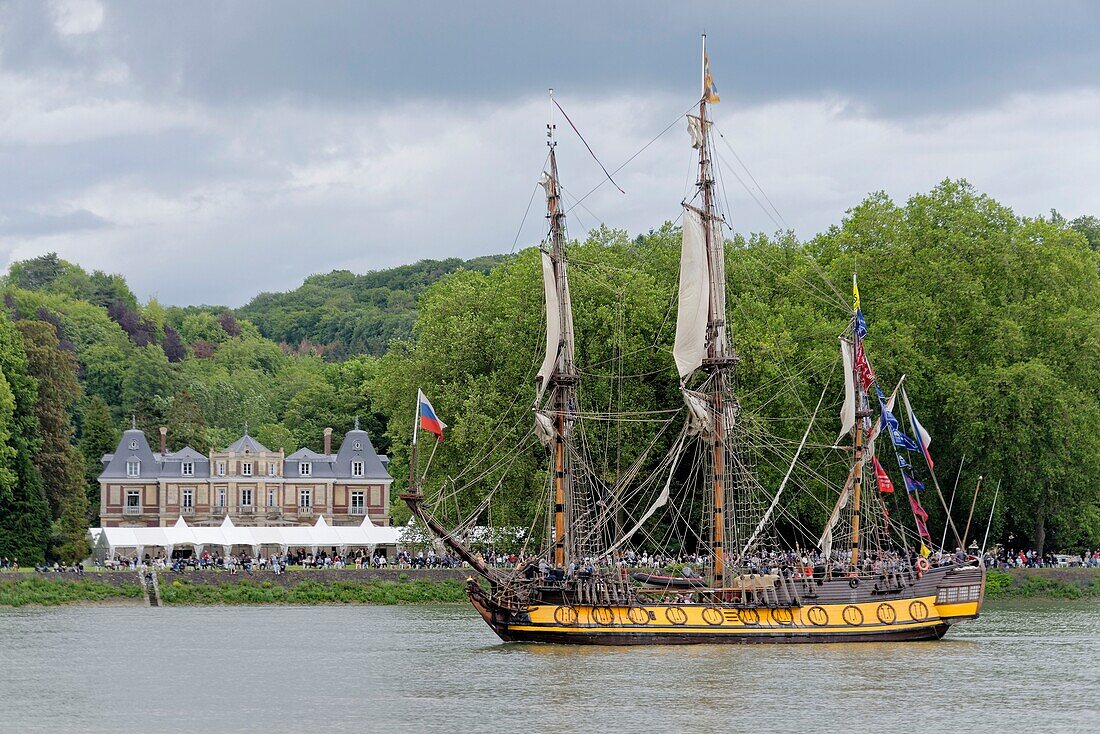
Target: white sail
[[848, 410], [553, 326], [694, 296], [567, 318]]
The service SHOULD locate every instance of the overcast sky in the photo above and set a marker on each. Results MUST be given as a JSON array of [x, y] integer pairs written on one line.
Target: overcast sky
[[210, 151]]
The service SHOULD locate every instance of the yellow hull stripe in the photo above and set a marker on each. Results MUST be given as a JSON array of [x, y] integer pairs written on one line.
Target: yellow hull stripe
[[870, 617]]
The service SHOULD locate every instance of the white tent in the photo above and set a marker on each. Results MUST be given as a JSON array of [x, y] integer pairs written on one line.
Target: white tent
[[227, 535]]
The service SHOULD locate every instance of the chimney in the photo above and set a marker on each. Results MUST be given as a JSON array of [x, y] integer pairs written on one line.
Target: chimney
[[328, 442], [163, 440]]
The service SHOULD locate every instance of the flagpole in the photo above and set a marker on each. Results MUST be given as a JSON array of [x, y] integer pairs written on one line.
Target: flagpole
[[412, 453], [973, 502], [990, 523], [931, 471], [951, 506]]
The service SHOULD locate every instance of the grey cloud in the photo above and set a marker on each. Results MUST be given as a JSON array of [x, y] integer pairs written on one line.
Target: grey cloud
[[22, 223], [896, 57], [213, 150]]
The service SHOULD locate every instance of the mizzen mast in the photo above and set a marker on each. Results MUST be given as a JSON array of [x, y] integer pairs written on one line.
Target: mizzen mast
[[701, 339]]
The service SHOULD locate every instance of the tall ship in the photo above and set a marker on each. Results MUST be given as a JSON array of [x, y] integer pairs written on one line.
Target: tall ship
[[871, 573]]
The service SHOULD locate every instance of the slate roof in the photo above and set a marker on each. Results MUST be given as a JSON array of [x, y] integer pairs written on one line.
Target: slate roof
[[134, 446], [372, 469], [246, 442], [321, 465]]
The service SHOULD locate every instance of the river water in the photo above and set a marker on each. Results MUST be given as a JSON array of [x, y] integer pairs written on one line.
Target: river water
[[1033, 668]]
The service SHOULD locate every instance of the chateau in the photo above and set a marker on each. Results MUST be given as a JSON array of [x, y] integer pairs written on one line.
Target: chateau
[[247, 481]]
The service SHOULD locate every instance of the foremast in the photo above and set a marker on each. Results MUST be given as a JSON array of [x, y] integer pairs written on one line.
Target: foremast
[[558, 374]]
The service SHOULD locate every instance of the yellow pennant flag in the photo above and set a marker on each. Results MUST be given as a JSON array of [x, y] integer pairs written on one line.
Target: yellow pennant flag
[[710, 92], [924, 550], [855, 294]]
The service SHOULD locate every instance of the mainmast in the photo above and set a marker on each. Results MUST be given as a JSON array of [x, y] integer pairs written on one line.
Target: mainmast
[[562, 379], [718, 355]]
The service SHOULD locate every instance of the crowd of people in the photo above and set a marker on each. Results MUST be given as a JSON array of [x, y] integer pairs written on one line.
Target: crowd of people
[[1003, 558], [797, 563]]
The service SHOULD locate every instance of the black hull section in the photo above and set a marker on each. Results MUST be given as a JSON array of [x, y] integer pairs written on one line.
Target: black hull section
[[925, 634]]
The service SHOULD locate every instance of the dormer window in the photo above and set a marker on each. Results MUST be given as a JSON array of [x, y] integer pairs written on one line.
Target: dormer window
[[272, 470], [357, 468], [358, 444], [187, 469], [246, 469], [305, 469], [221, 468], [133, 443], [133, 468]]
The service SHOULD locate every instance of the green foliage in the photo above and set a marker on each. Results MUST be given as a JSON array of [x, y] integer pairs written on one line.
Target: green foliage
[[35, 590], [98, 436], [350, 314], [186, 424], [59, 462], [24, 511], [247, 591], [998, 584], [51, 273]]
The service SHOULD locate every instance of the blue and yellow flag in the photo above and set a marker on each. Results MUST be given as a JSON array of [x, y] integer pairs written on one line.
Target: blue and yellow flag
[[710, 92]]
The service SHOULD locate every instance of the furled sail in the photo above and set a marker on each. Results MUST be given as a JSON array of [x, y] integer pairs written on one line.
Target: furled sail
[[699, 421], [694, 296], [553, 326], [848, 410], [544, 427]]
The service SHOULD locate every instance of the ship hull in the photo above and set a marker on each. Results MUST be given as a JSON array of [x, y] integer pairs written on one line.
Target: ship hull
[[923, 612]]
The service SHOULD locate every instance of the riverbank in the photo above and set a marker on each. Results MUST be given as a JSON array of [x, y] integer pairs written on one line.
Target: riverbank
[[345, 586], [1043, 583], [50, 590], [392, 586]]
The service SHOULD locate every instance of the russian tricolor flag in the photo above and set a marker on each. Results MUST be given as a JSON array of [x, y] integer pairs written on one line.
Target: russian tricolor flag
[[428, 419]]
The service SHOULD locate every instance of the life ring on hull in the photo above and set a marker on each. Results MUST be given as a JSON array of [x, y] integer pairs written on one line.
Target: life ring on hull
[[923, 565], [565, 615]]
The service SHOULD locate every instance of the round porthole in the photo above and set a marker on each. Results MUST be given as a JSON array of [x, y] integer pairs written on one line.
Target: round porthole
[[853, 615]]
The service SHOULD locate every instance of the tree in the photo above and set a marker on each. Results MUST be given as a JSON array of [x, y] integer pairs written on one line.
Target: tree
[[185, 423], [1089, 226], [98, 437], [59, 462], [173, 346], [37, 273], [24, 511]]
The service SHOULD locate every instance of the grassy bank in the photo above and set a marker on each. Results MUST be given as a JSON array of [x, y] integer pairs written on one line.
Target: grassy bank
[[1042, 584], [247, 591], [49, 592]]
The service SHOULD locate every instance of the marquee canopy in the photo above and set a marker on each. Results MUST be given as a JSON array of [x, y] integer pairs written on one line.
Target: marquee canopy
[[227, 535]]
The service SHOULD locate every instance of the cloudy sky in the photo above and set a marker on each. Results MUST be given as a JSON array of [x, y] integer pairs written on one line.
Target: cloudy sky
[[210, 151]]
